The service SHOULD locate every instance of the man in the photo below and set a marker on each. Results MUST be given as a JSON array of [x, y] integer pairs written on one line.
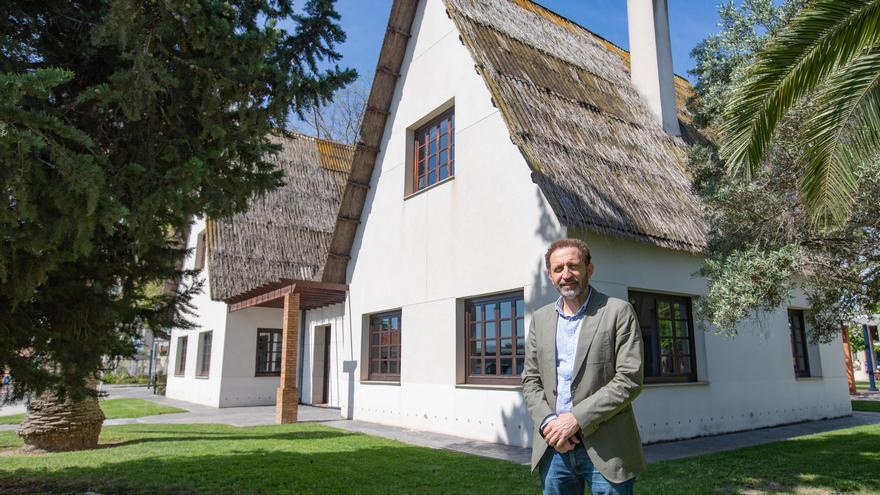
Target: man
[[583, 368]]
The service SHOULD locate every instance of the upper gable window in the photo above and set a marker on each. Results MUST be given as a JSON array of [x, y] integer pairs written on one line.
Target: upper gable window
[[434, 151]]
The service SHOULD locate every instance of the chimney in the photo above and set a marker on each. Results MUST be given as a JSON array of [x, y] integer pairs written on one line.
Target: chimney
[[651, 59]]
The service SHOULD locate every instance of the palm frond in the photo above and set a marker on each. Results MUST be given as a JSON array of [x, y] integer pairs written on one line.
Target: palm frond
[[824, 36], [835, 135]]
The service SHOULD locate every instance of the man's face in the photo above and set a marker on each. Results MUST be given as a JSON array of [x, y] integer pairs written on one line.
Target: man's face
[[568, 272]]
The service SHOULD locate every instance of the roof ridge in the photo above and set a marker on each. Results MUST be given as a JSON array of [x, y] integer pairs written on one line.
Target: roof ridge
[[292, 133], [556, 16]]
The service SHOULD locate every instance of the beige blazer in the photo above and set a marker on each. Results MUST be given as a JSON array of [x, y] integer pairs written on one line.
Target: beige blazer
[[607, 377]]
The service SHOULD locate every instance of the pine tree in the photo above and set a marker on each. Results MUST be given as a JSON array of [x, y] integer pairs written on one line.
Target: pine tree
[[119, 123]]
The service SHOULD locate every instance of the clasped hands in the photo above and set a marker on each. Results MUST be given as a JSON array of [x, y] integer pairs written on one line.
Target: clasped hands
[[559, 433]]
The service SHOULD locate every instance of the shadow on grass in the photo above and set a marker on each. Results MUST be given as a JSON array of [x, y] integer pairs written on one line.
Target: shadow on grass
[[836, 462], [351, 469], [317, 459]]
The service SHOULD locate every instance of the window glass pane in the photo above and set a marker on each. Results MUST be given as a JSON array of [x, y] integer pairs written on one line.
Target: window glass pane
[[664, 310], [393, 352], [432, 177], [520, 307], [444, 157], [476, 367], [520, 327], [490, 330], [521, 346], [491, 347], [444, 142], [681, 328], [489, 367], [444, 126], [432, 163], [685, 364], [506, 328], [374, 338], [477, 331], [383, 352], [422, 182], [479, 313], [506, 347], [383, 367], [665, 328], [442, 173], [432, 133], [490, 311], [432, 149], [506, 309], [506, 366], [392, 367], [395, 338], [374, 366], [476, 347], [519, 367]]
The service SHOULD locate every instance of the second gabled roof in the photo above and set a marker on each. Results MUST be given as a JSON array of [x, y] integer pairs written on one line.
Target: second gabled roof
[[285, 233]]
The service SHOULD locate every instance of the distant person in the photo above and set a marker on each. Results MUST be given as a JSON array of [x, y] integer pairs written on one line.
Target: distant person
[[583, 368]]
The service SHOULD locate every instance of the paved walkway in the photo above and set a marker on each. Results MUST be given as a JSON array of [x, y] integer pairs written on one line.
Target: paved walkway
[[263, 415]]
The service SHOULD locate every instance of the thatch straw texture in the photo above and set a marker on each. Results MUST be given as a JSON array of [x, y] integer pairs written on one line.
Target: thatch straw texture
[[285, 233], [596, 152]]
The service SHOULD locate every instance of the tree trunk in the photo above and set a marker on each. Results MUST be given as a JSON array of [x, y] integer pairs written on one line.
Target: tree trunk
[[52, 425]]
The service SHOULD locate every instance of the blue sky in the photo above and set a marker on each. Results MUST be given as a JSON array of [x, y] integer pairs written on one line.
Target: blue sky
[[690, 21]]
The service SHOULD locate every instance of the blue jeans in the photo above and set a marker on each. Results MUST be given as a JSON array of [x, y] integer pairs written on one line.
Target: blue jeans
[[564, 474]]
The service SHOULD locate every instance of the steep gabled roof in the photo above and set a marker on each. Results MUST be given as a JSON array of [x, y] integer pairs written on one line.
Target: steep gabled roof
[[285, 233], [598, 155], [595, 151]]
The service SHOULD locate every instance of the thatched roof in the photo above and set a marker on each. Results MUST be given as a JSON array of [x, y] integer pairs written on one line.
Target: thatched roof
[[599, 156], [596, 152], [286, 233]]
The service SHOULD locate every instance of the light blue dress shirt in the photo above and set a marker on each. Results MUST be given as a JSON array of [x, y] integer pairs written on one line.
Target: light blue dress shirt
[[568, 329]]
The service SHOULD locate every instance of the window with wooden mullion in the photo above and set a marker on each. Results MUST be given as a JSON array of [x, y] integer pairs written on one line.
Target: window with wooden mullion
[[799, 356], [434, 152], [385, 347], [667, 330], [495, 339]]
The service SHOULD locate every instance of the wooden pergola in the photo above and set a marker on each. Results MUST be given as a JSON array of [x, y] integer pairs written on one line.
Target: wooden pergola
[[293, 296]]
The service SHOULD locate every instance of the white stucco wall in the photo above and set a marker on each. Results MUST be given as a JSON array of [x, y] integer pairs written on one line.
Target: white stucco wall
[[311, 369], [231, 380], [209, 316], [485, 231], [744, 382], [480, 233]]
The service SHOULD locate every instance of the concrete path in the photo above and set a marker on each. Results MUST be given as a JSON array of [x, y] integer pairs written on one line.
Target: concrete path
[[265, 415]]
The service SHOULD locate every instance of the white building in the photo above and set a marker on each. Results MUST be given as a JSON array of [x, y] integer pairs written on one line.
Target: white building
[[493, 128]]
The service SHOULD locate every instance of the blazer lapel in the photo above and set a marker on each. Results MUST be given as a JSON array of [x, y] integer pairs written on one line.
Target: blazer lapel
[[548, 342], [589, 329]]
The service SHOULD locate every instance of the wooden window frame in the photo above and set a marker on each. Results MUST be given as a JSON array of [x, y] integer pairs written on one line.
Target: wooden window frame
[[471, 323], [201, 251], [801, 346], [375, 349], [417, 158], [652, 339], [180, 357], [203, 361], [271, 355]]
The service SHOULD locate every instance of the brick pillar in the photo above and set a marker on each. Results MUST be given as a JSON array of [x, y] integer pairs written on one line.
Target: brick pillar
[[287, 396], [847, 358]]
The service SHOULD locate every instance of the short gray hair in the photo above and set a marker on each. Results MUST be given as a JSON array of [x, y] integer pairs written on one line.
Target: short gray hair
[[578, 244]]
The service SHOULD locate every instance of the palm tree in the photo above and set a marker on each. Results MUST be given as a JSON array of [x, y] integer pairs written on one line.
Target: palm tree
[[829, 56], [53, 424]]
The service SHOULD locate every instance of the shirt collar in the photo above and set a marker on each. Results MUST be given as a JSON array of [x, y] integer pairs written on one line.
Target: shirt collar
[[580, 312]]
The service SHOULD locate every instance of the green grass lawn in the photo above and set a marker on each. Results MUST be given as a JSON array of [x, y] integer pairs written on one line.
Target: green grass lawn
[[866, 405], [115, 409], [311, 458]]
